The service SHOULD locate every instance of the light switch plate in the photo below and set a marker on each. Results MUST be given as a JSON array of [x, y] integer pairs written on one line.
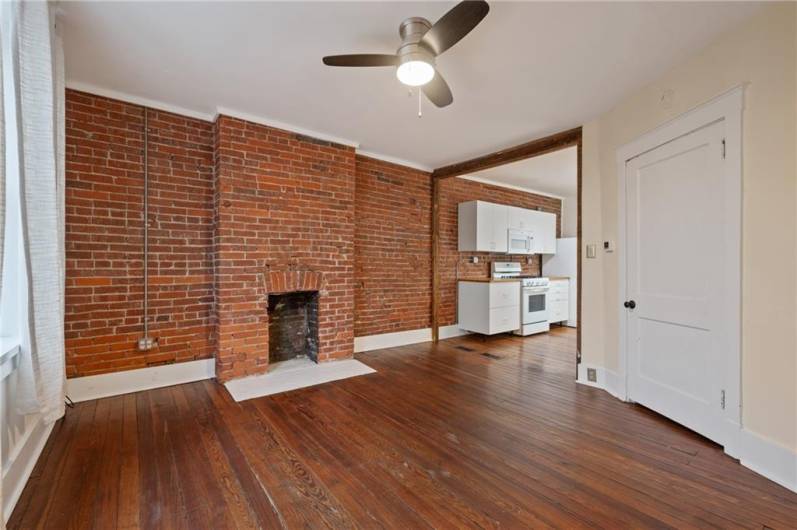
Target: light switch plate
[[592, 251]]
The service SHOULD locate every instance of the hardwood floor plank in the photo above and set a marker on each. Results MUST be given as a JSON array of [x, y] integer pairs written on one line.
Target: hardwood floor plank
[[341, 466], [128, 501], [297, 495], [220, 469], [65, 507], [441, 436]]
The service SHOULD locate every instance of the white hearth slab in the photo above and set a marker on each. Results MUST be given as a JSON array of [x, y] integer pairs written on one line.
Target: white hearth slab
[[294, 374]]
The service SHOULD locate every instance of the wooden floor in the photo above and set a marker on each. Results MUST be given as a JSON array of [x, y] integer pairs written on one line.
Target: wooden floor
[[471, 433]]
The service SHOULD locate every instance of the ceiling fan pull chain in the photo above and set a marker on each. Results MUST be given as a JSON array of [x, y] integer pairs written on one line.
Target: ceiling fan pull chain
[[420, 114]]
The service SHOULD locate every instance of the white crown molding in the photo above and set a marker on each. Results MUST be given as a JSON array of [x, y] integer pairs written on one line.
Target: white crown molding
[[254, 118], [268, 122], [394, 160], [510, 186], [135, 100]]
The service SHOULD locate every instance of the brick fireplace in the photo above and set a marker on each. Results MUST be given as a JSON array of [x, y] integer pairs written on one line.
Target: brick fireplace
[[293, 302], [284, 213]]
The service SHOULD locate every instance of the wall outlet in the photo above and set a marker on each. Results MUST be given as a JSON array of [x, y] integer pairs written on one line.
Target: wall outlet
[[592, 375], [474, 259], [146, 343]]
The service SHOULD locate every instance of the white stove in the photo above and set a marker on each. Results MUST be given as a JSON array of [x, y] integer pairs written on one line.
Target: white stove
[[534, 282], [533, 297]]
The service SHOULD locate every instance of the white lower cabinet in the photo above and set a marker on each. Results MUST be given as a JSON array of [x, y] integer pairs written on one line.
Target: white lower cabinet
[[489, 307], [558, 300]]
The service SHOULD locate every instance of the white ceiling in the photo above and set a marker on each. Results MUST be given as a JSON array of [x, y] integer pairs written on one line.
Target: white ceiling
[[528, 70], [552, 174]]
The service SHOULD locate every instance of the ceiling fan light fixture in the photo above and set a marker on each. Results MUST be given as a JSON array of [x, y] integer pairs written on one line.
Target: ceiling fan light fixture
[[415, 73]]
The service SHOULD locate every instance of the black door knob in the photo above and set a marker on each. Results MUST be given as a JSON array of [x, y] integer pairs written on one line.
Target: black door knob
[[630, 304]]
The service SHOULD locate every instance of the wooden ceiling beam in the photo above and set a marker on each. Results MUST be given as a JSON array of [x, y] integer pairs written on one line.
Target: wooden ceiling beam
[[513, 154]]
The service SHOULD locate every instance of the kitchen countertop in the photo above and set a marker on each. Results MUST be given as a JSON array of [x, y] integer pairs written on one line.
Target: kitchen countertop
[[552, 278]]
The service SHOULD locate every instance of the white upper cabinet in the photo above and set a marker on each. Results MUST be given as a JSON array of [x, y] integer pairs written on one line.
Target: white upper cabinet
[[521, 218], [483, 227], [544, 230]]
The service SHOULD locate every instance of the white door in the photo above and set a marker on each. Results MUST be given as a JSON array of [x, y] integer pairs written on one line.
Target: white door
[[675, 243]]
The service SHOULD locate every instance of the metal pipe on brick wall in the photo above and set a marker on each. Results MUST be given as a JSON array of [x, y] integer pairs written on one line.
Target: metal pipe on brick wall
[[146, 342]]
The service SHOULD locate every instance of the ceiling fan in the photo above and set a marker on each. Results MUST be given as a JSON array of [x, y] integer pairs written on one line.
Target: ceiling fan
[[421, 43]]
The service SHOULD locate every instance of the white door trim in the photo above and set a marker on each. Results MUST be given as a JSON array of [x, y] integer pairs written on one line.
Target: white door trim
[[728, 107]]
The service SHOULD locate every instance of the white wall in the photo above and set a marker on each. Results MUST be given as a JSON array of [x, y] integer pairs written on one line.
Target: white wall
[[762, 53], [569, 216]]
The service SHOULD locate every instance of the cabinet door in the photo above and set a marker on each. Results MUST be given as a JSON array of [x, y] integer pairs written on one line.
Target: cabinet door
[[505, 294], [492, 227], [517, 218], [544, 232], [503, 319], [548, 233]]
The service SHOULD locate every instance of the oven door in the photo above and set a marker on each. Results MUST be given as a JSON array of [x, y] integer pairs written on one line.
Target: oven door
[[535, 306], [519, 242]]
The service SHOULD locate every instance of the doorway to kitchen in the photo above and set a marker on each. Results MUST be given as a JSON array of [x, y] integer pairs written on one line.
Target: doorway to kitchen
[[522, 187]]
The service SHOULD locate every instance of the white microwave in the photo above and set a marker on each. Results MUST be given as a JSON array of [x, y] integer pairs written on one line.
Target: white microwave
[[520, 242]]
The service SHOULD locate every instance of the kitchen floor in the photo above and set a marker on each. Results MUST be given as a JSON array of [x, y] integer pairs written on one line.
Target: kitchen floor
[[479, 432]]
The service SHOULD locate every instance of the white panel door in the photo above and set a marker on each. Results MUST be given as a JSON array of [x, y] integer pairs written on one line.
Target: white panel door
[[675, 277]]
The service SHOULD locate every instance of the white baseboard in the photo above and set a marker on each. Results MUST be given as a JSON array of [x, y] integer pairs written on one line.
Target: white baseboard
[[294, 374], [600, 376], [606, 379], [117, 383], [20, 465], [449, 332], [404, 338], [391, 340], [615, 385], [769, 459], [765, 457]]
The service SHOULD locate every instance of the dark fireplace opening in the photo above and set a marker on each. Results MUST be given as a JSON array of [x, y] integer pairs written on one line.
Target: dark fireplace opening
[[293, 326]]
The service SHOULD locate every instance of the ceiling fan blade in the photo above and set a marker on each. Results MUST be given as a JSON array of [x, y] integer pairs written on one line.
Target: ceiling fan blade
[[361, 59], [454, 25], [437, 91]]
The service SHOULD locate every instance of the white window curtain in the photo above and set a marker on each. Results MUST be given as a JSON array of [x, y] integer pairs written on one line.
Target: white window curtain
[[2, 233], [37, 64]]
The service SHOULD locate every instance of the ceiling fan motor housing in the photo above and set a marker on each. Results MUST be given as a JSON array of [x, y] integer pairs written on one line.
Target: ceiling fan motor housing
[[412, 31]]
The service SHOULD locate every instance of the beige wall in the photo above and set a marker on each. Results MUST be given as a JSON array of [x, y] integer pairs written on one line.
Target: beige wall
[[761, 53], [569, 216]]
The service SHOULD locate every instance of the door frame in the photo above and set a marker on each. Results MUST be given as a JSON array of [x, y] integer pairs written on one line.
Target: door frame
[[534, 148], [727, 107]]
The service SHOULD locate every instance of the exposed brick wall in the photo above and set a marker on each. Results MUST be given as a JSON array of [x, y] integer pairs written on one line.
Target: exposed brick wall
[[285, 203], [238, 210], [104, 229], [454, 264], [393, 245]]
